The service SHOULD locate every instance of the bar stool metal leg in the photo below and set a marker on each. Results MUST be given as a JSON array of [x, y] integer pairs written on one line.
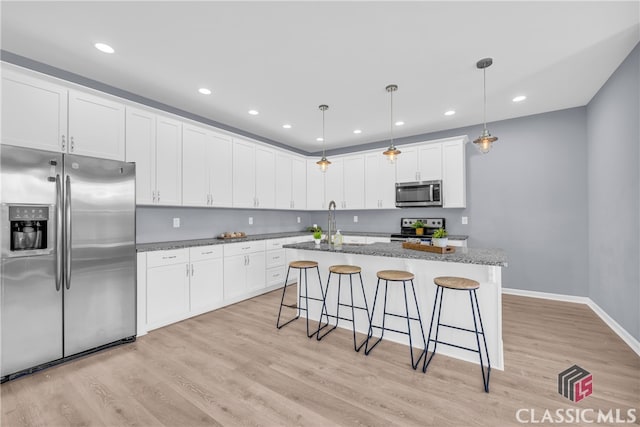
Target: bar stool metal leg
[[284, 291], [414, 365], [368, 349], [485, 380]]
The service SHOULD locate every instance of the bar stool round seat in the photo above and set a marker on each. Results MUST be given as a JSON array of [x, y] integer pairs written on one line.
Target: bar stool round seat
[[395, 275], [460, 283], [303, 264], [471, 286], [404, 277], [344, 270]]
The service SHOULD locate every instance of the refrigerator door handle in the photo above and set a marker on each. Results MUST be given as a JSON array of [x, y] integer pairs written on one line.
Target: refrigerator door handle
[[67, 218], [58, 233]]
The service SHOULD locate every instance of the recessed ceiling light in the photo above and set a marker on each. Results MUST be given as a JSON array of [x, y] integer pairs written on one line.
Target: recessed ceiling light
[[286, 126], [399, 123], [356, 131], [102, 47], [519, 98], [319, 139], [449, 113], [254, 112], [204, 91]]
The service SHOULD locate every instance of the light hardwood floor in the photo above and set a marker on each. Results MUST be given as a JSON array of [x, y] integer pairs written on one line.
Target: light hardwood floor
[[233, 367]]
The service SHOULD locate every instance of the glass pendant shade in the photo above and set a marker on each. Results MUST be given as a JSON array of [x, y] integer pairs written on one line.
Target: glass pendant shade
[[392, 152], [484, 141], [323, 163]]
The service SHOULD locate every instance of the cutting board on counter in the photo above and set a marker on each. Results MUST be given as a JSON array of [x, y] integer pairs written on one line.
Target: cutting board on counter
[[429, 248]]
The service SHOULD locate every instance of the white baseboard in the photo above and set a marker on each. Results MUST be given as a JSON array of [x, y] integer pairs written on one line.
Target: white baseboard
[[615, 326]]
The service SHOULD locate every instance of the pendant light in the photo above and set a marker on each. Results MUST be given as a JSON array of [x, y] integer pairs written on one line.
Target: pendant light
[[484, 141], [392, 152], [323, 162]]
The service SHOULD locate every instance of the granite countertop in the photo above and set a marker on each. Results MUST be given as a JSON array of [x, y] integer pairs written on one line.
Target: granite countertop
[[480, 256], [160, 246]]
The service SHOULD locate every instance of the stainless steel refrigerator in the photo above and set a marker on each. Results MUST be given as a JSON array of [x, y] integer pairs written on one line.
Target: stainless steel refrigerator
[[68, 257]]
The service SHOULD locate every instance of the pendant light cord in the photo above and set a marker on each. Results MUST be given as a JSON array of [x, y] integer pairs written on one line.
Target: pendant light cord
[[323, 141], [484, 85], [391, 119]]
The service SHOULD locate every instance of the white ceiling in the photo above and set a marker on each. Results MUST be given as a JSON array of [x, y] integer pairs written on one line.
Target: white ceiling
[[286, 58]]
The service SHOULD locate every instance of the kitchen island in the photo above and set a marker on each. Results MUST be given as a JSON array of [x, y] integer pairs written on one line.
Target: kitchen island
[[482, 265]]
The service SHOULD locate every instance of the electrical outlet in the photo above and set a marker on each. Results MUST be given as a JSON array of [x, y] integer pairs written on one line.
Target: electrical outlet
[[298, 220], [250, 220], [465, 220], [355, 218], [176, 222]]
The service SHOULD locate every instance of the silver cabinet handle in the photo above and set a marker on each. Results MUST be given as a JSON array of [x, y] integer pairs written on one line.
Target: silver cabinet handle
[[206, 253], [59, 225], [192, 269], [276, 257], [187, 265], [248, 247], [168, 257], [153, 196], [64, 143], [67, 215], [73, 146], [158, 194]]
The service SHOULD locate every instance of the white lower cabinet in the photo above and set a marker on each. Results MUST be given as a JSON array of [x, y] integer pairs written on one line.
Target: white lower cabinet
[[206, 278], [244, 269], [167, 287]]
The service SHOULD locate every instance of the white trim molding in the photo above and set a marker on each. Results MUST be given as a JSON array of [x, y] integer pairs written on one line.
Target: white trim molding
[[629, 339]]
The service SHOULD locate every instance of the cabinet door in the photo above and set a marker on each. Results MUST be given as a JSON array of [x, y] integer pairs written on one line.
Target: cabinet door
[[265, 178], [195, 172], [235, 281], [244, 174], [454, 194], [353, 182], [334, 183], [141, 149], [167, 294], [206, 284], [372, 181], [298, 183], [168, 161], [430, 161], [386, 183], [34, 113], [96, 126], [256, 264], [283, 181], [407, 165], [315, 187], [220, 160]]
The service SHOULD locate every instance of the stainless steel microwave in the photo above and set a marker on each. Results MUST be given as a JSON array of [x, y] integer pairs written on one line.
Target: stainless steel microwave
[[418, 194]]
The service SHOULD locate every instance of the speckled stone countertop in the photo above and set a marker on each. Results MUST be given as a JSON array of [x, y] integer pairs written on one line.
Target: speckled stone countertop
[[495, 257], [161, 246]]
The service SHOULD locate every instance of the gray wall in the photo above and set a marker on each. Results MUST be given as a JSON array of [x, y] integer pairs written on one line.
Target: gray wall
[[155, 224], [528, 196], [613, 123]]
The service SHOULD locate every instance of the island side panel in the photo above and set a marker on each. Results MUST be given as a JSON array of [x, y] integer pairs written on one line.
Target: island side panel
[[456, 309]]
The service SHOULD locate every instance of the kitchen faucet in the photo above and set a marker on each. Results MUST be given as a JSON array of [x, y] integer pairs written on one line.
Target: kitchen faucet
[[331, 227]]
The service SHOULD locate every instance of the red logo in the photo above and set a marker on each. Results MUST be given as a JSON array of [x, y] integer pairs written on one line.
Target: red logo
[[575, 383]]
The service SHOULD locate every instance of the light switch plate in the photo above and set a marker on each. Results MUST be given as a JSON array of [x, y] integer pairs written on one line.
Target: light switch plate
[[355, 218], [250, 220], [176, 222], [465, 220], [298, 220]]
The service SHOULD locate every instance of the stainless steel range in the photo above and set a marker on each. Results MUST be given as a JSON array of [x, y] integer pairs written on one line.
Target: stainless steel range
[[408, 232]]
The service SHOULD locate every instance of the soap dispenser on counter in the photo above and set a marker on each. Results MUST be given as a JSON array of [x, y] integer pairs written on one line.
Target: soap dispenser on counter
[[337, 240]]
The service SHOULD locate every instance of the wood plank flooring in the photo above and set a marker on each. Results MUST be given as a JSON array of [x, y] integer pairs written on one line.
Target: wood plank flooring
[[233, 367]]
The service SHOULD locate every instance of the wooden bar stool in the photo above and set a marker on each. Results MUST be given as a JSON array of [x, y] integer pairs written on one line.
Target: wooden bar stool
[[342, 270], [395, 276], [459, 284], [301, 266]]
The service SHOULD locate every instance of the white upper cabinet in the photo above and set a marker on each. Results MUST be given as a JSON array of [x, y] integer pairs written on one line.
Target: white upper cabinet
[[39, 114], [430, 162], [334, 190], [291, 182], [220, 159], [353, 182], [34, 113], [315, 186], [141, 149], [379, 183], [96, 126], [454, 174], [168, 161], [195, 167], [407, 169], [265, 184], [244, 174]]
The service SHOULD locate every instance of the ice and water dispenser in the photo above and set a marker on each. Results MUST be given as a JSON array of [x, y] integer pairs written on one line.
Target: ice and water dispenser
[[30, 226]]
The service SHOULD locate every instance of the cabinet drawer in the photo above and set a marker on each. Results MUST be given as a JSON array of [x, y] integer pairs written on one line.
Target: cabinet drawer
[[275, 258], [275, 276], [168, 257], [205, 252], [354, 239], [240, 248], [275, 243]]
